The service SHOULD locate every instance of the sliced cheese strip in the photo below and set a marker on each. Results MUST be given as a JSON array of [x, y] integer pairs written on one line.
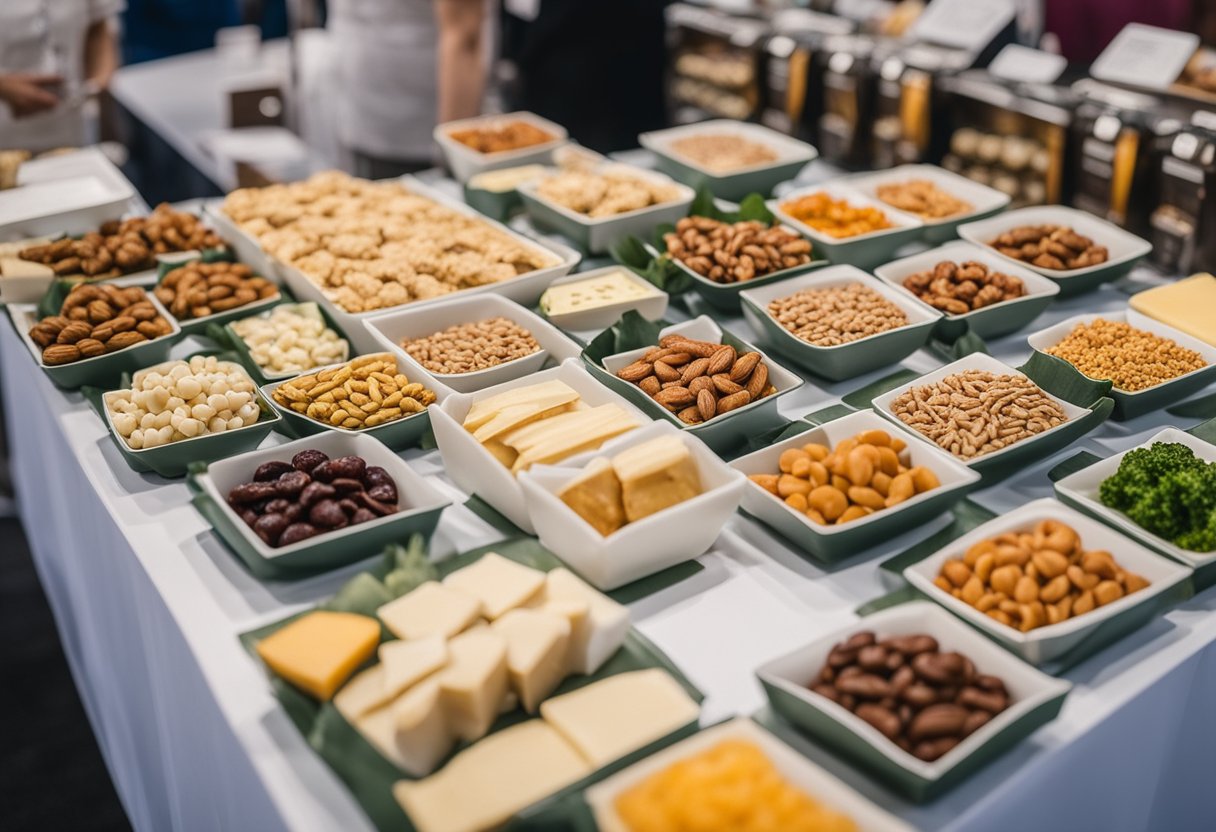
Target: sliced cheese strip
[[483, 786], [422, 736], [593, 428], [602, 631], [474, 682], [432, 609], [613, 717], [655, 475], [320, 650], [500, 584], [538, 644], [405, 663], [485, 409]]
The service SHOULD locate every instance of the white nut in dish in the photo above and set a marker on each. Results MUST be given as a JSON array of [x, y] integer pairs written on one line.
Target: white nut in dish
[[193, 398], [291, 339]]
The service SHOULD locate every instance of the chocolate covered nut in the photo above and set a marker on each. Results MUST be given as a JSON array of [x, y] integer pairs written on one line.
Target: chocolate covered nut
[[308, 460], [297, 532], [269, 471]]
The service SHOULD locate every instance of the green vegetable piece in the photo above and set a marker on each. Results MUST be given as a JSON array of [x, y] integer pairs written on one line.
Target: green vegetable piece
[[362, 594], [1169, 492], [408, 567]]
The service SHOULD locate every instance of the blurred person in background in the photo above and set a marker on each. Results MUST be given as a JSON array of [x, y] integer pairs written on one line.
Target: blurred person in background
[[54, 55]]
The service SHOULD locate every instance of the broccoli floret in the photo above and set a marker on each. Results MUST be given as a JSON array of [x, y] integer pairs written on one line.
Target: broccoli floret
[[1141, 470], [1168, 491]]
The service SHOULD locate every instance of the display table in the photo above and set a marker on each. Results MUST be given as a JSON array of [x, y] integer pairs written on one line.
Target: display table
[[149, 604]]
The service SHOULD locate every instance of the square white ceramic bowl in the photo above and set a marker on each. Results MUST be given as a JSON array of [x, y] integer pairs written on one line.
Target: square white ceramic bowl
[[598, 234], [976, 361], [1081, 490], [652, 307], [1044, 644], [390, 328], [843, 360], [466, 162], [862, 250], [836, 542], [792, 157], [245, 245], [816, 782], [415, 495], [476, 471], [1124, 249], [723, 430], [984, 201], [786, 680], [74, 205], [674, 535], [1128, 403], [989, 321]]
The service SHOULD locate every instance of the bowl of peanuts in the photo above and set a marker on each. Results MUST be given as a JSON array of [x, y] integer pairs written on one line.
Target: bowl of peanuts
[[1044, 578], [849, 484], [470, 343], [845, 225], [838, 322], [1072, 247], [1151, 365], [975, 287], [732, 158], [475, 145]]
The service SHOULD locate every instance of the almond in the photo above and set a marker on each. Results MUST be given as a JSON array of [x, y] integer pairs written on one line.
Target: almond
[[690, 416], [675, 398], [122, 323], [725, 386], [122, 340], [677, 359], [57, 354], [650, 385], [707, 405], [734, 401], [702, 383], [701, 349], [721, 361], [73, 332], [90, 347], [655, 353], [694, 370], [758, 382], [744, 366], [635, 372], [666, 372]]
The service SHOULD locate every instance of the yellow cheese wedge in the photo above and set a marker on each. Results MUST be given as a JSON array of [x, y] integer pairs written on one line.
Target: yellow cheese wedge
[[474, 682], [596, 636], [655, 475], [421, 734], [484, 785], [538, 645], [364, 693], [499, 584], [429, 610], [595, 496], [406, 663], [608, 719], [1188, 305], [320, 650]]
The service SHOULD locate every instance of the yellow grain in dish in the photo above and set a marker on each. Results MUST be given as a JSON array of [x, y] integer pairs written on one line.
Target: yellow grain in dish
[[1131, 358]]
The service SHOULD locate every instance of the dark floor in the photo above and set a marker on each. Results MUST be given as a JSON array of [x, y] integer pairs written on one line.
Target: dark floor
[[52, 776]]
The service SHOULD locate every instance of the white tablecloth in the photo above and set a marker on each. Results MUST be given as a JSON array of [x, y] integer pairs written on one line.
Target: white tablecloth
[[149, 605]]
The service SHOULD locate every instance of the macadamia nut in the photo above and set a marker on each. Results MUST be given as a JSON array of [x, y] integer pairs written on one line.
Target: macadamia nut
[[291, 339]]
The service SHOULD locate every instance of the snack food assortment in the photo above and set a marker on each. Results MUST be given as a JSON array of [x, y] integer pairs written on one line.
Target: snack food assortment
[[501, 135], [723, 152], [199, 289], [182, 400], [922, 198], [372, 245], [1036, 578], [1056, 247], [290, 501], [291, 338], [863, 474], [735, 252], [126, 246], [604, 193], [95, 320], [731, 785], [835, 315], [468, 347], [365, 392], [699, 380], [1169, 491], [836, 218], [977, 412], [959, 288], [921, 698], [1133, 359]]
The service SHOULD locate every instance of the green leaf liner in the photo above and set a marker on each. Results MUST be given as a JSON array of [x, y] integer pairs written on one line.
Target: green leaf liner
[[370, 777], [631, 332], [953, 340]]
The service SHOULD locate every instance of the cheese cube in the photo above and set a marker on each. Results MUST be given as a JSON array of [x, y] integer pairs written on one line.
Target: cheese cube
[[474, 682], [320, 650], [1188, 305], [595, 496], [362, 694], [538, 644], [422, 736], [601, 632], [406, 663], [574, 613], [500, 584], [616, 716], [656, 475], [484, 785], [432, 609]]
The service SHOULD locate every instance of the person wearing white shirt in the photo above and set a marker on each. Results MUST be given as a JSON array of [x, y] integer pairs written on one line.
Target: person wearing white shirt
[[54, 54]]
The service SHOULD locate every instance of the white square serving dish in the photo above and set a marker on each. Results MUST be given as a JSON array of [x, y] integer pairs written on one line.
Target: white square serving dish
[[861, 250], [466, 162], [984, 201]]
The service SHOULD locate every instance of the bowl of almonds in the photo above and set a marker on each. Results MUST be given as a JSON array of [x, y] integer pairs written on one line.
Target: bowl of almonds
[[198, 294], [703, 380], [838, 322]]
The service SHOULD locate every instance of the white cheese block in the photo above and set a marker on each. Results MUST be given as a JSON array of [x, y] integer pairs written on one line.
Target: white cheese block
[[576, 614], [538, 644], [406, 663], [616, 716], [566, 435], [431, 609], [363, 693], [486, 409], [500, 584], [474, 682], [601, 632], [483, 786], [421, 734]]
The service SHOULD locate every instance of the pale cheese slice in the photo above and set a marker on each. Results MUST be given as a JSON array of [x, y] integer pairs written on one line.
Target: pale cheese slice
[[15, 267], [474, 682], [406, 663], [498, 583], [430, 609], [484, 785], [591, 429], [602, 631], [655, 475], [576, 614], [608, 719], [538, 644], [421, 734], [491, 416], [362, 694]]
